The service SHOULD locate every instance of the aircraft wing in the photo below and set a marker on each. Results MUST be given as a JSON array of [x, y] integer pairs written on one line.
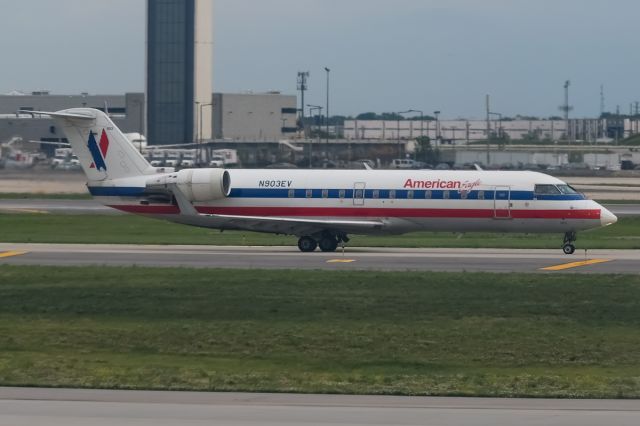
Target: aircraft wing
[[278, 225], [286, 225]]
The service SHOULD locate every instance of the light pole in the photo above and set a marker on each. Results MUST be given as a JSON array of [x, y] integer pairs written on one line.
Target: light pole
[[311, 109], [498, 124], [140, 104], [399, 114], [436, 114], [421, 121], [196, 129], [327, 111], [200, 132]]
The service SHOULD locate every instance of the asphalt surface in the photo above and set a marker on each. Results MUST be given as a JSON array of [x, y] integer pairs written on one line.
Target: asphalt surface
[[34, 205], [94, 207], [58, 407], [391, 259]]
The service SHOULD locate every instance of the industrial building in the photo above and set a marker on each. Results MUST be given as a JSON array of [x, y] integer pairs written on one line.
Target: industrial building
[[257, 117], [240, 117], [465, 131], [127, 111]]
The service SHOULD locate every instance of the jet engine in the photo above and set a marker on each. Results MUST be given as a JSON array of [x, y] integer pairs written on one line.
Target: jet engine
[[195, 184]]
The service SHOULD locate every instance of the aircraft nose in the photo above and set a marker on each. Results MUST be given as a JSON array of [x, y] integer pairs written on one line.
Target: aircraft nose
[[606, 217]]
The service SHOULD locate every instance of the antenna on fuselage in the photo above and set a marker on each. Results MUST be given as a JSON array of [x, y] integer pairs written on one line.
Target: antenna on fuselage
[[478, 168]]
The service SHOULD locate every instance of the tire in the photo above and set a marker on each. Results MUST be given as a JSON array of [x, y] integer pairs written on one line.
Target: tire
[[307, 244], [328, 244], [568, 248]]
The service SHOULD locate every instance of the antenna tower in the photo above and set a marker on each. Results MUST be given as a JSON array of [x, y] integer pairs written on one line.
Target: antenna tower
[[302, 86], [566, 108]]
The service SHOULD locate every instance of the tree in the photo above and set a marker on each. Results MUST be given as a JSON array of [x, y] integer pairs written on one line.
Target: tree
[[367, 116], [425, 152]]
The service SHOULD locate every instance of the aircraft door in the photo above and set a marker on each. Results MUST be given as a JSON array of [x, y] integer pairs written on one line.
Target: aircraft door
[[502, 202], [358, 193]]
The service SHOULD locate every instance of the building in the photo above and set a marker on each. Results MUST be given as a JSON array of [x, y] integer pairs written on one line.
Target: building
[[257, 117], [127, 111], [465, 131], [179, 70]]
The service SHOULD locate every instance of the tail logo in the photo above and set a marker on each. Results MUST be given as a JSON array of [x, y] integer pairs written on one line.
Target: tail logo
[[98, 152]]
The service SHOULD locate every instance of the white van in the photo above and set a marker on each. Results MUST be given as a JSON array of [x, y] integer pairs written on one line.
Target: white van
[[403, 163]]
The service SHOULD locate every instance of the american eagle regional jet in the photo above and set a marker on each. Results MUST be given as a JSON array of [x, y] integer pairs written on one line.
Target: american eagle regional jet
[[322, 207]]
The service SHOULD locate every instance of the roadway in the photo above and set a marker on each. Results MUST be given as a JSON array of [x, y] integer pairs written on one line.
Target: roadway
[[353, 258], [58, 407]]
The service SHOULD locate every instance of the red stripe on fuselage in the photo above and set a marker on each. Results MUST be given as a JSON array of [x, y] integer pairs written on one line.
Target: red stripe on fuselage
[[368, 212]]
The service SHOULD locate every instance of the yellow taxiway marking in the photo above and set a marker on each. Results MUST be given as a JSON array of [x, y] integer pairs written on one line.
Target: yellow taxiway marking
[[341, 260], [25, 211], [575, 264], [12, 253]]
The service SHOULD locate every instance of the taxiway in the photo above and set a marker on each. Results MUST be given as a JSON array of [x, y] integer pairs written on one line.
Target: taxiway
[[57, 407], [353, 258]]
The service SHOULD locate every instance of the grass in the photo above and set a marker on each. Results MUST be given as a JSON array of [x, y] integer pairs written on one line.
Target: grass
[[311, 331], [54, 228], [43, 196]]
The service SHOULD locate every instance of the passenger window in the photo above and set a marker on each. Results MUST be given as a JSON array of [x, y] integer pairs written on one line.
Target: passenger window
[[309, 193], [541, 189], [376, 193], [392, 193], [445, 195], [410, 195], [325, 193], [292, 193], [463, 195], [341, 193], [480, 195], [427, 194]]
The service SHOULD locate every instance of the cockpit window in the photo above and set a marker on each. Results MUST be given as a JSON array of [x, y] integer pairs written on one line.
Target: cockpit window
[[567, 189], [541, 189]]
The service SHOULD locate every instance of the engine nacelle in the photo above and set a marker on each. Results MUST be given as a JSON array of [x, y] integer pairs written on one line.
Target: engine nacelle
[[196, 184]]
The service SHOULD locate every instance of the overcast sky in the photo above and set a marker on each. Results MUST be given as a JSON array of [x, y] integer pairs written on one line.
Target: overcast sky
[[383, 55]]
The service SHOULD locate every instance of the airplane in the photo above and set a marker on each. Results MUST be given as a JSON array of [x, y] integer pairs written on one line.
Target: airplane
[[323, 207], [13, 158]]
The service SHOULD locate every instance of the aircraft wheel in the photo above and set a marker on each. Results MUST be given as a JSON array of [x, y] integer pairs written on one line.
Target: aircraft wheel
[[568, 248], [307, 244], [328, 244]]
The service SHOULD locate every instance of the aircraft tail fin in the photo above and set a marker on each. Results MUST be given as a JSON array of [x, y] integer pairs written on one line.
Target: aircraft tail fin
[[103, 150]]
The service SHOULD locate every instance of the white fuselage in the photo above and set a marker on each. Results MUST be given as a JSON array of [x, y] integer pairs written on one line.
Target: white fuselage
[[404, 201]]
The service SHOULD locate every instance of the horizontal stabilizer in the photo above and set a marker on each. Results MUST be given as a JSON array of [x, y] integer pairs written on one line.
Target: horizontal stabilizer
[[81, 115]]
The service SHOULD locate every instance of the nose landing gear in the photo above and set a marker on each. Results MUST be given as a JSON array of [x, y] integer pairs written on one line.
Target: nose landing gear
[[567, 246]]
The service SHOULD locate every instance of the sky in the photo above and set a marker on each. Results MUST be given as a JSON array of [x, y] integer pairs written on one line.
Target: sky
[[384, 56]]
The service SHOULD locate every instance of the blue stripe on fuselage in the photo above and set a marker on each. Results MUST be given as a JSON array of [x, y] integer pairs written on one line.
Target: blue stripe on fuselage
[[373, 194], [401, 194]]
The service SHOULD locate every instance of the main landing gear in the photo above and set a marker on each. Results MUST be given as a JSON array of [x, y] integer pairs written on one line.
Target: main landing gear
[[567, 246], [327, 241]]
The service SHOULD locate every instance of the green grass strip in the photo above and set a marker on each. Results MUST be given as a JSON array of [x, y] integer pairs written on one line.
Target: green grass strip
[[315, 331], [54, 228]]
